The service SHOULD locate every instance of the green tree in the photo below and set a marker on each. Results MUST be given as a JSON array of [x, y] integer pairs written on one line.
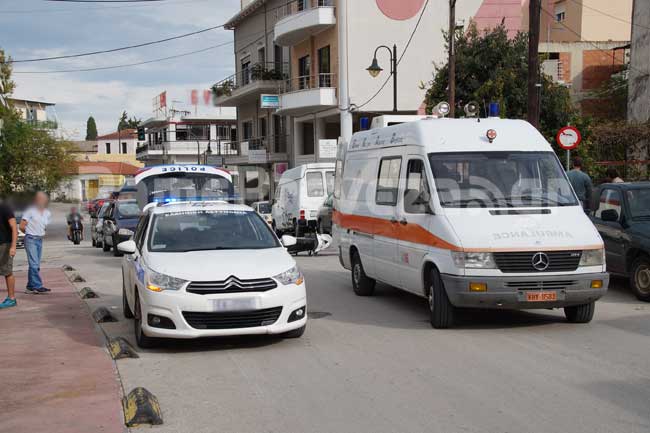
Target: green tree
[[30, 158], [91, 129], [492, 67], [127, 122]]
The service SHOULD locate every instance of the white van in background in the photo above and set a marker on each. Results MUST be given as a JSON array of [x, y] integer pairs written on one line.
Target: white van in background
[[466, 213], [298, 196]]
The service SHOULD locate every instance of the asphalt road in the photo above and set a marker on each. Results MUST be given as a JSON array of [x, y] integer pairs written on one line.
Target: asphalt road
[[375, 364]]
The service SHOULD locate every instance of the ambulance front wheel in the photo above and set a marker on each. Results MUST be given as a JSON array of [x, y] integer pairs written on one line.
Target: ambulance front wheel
[[442, 311], [361, 283]]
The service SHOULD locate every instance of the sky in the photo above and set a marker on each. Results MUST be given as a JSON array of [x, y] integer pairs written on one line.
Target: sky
[[39, 28]]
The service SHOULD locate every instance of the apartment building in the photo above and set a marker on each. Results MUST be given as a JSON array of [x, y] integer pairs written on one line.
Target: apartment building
[[188, 139], [301, 78], [40, 114], [639, 90], [585, 42]]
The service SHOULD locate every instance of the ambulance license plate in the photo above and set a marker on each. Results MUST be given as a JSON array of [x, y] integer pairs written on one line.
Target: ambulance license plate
[[541, 296], [238, 304]]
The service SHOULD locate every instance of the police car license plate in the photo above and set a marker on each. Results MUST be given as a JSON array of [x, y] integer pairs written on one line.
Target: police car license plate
[[541, 296], [237, 304]]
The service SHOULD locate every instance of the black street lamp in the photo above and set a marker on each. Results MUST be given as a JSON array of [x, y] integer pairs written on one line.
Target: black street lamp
[[374, 70]]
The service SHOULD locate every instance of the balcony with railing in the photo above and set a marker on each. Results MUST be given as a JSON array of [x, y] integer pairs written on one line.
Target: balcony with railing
[[43, 124], [308, 93], [251, 150], [249, 83], [300, 19]]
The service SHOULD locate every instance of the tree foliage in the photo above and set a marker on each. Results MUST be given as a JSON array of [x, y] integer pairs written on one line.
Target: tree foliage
[[127, 122], [490, 67], [91, 129], [30, 158]]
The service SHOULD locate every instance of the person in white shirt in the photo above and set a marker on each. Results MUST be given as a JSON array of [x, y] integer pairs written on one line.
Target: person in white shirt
[[35, 221]]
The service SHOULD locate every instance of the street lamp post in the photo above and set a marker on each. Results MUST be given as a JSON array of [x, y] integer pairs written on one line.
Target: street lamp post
[[374, 70]]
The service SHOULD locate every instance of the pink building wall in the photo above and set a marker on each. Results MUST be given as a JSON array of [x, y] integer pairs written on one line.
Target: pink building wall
[[514, 13]]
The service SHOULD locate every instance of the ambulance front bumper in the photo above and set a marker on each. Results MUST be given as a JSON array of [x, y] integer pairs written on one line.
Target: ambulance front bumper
[[526, 292]]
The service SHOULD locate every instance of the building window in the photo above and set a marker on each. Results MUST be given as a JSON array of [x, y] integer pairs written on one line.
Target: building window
[[245, 71], [108, 148], [304, 67], [262, 131], [124, 148], [560, 12], [324, 67], [247, 130], [302, 5]]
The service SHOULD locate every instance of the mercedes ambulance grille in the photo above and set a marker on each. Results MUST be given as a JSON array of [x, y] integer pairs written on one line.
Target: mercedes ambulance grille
[[231, 284], [541, 285], [233, 320], [520, 262]]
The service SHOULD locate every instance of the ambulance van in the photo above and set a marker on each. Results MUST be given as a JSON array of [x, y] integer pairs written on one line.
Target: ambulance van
[[467, 213]]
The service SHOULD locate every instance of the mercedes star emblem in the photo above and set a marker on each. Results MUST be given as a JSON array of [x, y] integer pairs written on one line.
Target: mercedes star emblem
[[540, 261]]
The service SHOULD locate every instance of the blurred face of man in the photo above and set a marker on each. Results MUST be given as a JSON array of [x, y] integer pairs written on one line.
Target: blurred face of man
[[41, 200]]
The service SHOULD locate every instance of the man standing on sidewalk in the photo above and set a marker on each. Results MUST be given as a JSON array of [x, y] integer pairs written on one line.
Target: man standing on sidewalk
[[35, 221], [581, 183], [8, 238]]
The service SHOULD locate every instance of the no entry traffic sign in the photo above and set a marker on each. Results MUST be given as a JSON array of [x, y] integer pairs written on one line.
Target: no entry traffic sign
[[568, 138]]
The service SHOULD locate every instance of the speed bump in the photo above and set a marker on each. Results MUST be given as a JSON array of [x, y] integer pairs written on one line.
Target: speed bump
[[76, 278], [87, 293], [102, 315], [141, 408], [120, 348], [68, 268]]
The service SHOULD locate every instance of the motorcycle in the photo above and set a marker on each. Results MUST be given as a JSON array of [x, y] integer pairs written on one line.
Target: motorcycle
[[76, 229]]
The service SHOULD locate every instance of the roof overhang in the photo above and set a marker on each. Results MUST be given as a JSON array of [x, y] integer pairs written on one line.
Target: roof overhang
[[243, 14]]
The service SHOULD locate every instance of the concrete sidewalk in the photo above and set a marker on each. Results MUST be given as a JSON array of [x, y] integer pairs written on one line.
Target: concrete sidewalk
[[55, 375]]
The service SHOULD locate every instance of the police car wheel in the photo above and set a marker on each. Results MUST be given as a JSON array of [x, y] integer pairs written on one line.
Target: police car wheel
[[442, 311], [361, 283], [580, 313], [140, 338]]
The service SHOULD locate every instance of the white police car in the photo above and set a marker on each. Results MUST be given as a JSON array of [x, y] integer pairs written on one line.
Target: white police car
[[204, 269]]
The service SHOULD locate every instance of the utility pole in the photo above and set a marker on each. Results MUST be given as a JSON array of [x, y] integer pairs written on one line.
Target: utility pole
[[534, 13], [452, 58]]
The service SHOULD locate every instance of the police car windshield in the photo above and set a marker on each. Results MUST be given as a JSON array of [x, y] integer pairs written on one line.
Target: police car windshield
[[500, 179], [210, 230]]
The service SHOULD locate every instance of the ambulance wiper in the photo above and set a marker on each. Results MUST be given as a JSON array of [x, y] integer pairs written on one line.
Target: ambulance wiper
[[533, 198]]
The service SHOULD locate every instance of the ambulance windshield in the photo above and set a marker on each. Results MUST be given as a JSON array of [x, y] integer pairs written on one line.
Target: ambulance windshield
[[500, 179]]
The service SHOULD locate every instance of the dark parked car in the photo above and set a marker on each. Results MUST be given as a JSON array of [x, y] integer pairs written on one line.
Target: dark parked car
[[97, 225], [325, 215], [622, 217], [120, 220]]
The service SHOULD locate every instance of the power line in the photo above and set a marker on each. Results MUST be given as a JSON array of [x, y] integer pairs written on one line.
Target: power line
[[97, 8], [609, 15], [610, 54], [101, 68], [112, 50], [417, 24]]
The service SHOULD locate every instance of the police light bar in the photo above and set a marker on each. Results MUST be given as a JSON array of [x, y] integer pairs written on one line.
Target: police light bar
[[159, 170]]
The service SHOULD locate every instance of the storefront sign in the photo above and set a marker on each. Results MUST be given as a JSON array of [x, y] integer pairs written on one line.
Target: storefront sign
[[327, 148], [269, 101], [257, 156]]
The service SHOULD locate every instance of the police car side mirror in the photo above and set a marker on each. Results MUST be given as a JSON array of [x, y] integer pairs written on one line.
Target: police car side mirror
[[127, 247], [288, 241]]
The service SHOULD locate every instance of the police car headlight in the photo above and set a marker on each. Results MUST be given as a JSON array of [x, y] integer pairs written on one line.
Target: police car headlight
[[159, 282], [593, 257], [473, 260], [292, 276], [125, 232]]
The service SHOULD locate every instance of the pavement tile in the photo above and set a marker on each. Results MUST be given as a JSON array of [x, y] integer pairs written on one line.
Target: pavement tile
[[55, 374]]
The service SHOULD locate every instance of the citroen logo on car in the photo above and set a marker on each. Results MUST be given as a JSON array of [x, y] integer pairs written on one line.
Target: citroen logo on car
[[540, 261]]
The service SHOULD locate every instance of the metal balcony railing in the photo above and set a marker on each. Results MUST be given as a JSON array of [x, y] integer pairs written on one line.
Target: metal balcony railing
[[306, 82], [270, 143], [298, 6], [270, 71], [43, 124]]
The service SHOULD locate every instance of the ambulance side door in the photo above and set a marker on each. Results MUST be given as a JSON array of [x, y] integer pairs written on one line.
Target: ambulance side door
[[415, 213], [386, 225]]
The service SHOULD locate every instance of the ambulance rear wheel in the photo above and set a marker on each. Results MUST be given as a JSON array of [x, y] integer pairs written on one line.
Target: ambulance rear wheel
[[442, 311], [361, 283]]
